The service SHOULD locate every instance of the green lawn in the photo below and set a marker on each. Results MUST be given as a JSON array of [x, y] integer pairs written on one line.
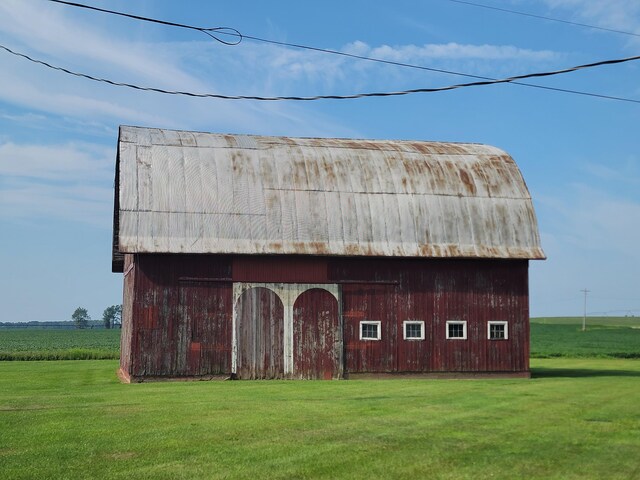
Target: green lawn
[[54, 344], [576, 418]]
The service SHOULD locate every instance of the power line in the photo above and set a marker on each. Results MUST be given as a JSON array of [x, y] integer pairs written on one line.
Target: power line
[[234, 32], [542, 17], [206, 30], [273, 42], [342, 97], [431, 69]]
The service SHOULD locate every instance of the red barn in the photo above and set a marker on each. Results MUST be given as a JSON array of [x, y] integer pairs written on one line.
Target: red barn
[[314, 258]]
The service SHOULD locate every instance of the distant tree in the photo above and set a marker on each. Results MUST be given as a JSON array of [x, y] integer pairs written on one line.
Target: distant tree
[[81, 317], [112, 316]]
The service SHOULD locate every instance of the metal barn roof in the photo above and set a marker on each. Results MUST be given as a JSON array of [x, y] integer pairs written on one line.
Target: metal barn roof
[[190, 192]]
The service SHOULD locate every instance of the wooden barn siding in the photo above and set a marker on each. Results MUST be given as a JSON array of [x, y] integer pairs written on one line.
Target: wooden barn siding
[[280, 269], [317, 336], [435, 291], [168, 288], [260, 335], [177, 332], [370, 302], [127, 314], [204, 324]]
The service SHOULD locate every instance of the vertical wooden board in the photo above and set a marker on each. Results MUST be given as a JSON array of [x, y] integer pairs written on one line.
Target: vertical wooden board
[[317, 339], [127, 326], [415, 303], [260, 334], [363, 302], [182, 336], [206, 308]]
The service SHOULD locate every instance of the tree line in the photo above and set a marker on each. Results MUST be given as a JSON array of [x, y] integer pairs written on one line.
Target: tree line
[[111, 317]]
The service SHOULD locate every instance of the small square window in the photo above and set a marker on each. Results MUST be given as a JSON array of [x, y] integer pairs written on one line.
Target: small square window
[[457, 329], [498, 330], [413, 330], [369, 330]]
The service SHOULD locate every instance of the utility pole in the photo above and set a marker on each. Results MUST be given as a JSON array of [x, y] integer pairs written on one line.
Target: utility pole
[[584, 316]]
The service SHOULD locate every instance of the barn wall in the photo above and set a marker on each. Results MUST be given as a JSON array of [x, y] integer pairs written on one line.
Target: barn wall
[[273, 269], [435, 291], [126, 334], [204, 338], [375, 302], [182, 309], [181, 316]]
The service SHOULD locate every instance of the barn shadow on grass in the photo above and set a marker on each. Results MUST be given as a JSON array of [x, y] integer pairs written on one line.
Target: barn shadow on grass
[[544, 372]]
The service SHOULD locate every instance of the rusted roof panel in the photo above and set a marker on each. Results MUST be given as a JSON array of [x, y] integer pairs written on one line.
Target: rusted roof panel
[[190, 192]]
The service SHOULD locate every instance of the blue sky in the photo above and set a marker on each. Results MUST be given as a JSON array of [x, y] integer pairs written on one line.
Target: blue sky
[[580, 156]]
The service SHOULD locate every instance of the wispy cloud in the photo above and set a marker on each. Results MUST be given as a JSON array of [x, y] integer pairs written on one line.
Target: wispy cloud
[[50, 92], [279, 70], [48, 29], [71, 181], [615, 14], [452, 51], [253, 67], [591, 238], [484, 59], [69, 162], [590, 218], [80, 203], [59, 36], [623, 173]]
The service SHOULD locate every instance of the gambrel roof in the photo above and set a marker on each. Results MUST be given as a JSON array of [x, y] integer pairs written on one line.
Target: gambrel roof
[[191, 192]]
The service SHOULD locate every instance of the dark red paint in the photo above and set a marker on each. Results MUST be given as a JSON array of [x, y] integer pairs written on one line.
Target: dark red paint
[[178, 314]]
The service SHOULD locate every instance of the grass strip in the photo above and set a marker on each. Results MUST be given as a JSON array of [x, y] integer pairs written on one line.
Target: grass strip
[[69, 354], [575, 419]]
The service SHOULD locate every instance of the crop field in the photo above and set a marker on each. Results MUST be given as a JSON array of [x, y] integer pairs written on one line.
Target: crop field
[[575, 419], [614, 337], [567, 340], [52, 344], [628, 321]]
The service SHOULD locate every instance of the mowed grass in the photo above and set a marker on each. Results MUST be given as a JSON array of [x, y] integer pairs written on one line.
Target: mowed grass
[[53, 344], [575, 419]]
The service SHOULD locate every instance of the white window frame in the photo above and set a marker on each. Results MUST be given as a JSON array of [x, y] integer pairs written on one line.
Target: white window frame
[[413, 322], [464, 329], [371, 322], [498, 322]]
